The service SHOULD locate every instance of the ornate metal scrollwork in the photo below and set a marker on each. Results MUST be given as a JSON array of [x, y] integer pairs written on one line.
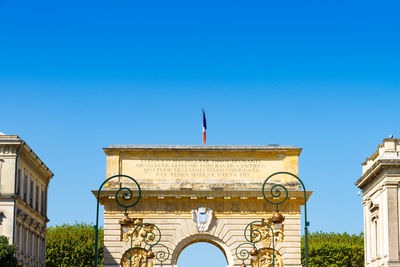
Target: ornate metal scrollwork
[[146, 233], [126, 194], [279, 194], [140, 235], [162, 254], [242, 251]]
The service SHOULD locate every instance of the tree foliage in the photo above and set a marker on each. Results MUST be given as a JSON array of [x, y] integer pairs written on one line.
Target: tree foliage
[[334, 250], [7, 253], [72, 245]]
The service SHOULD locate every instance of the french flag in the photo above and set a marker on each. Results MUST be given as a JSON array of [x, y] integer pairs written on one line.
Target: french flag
[[204, 126]]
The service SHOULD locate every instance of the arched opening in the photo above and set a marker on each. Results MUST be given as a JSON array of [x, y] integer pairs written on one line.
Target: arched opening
[[200, 254]]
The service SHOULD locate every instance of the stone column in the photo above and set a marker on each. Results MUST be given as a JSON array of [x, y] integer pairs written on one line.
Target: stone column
[[365, 203], [392, 222]]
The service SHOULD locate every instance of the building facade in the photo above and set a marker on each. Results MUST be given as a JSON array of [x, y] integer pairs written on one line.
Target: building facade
[[24, 181], [201, 194], [380, 183]]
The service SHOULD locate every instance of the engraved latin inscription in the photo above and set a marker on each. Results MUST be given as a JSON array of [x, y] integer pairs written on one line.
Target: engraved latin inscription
[[200, 169]]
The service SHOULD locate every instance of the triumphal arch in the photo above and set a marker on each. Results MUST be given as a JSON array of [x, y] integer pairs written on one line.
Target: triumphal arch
[[201, 194]]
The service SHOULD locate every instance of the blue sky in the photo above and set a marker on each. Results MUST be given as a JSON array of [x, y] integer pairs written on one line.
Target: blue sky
[[76, 76]]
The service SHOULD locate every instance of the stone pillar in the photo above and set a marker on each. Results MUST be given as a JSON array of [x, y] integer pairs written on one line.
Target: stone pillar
[[392, 220], [366, 232]]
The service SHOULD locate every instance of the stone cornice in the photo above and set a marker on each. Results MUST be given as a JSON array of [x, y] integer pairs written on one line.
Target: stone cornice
[[366, 201], [26, 207], [208, 185], [378, 166], [133, 148], [31, 221], [15, 142], [376, 154], [391, 184], [202, 194], [7, 150]]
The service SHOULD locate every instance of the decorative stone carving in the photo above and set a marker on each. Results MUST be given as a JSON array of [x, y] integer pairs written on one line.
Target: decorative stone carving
[[137, 255], [202, 218], [265, 258], [235, 206], [266, 233], [226, 180], [140, 232]]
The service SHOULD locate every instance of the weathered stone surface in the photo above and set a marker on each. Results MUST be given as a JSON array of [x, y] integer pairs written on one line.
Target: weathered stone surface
[[380, 183], [24, 181], [178, 179]]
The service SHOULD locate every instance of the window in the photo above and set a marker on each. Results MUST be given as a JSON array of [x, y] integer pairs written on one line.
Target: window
[[19, 183], [26, 234], [45, 202], [36, 246], [43, 252], [42, 203], [32, 245], [21, 236], [37, 199], [25, 187], [17, 235], [376, 229], [31, 194]]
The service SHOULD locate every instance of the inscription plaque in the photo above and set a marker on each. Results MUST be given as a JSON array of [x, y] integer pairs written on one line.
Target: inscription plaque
[[200, 169]]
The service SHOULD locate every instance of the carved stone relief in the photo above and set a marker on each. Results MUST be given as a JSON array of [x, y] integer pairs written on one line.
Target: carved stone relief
[[135, 257], [202, 218], [265, 258], [138, 233], [263, 233]]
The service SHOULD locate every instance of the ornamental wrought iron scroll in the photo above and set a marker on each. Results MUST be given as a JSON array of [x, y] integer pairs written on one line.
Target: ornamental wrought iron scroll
[[261, 231], [162, 254], [256, 231], [146, 233], [279, 194], [129, 201]]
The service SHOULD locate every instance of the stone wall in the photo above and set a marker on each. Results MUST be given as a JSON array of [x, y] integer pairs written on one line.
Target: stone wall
[[176, 180]]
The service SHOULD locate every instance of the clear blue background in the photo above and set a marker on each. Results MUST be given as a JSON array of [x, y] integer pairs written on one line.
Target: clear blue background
[[76, 76]]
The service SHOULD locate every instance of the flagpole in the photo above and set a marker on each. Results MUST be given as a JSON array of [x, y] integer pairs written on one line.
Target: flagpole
[[204, 125]]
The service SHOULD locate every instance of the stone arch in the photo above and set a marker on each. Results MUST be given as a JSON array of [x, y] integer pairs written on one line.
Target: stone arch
[[182, 244], [177, 180]]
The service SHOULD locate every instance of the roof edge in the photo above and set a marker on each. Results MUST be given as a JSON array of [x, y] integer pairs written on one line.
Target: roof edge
[[16, 140], [374, 170], [199, 147]]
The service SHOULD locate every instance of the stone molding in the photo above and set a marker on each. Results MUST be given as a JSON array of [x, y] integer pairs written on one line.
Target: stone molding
[[225, 179], [197, 147], [11, 145], [380, 185]]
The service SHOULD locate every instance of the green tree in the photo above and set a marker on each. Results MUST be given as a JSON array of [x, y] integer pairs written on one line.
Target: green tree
[[334, 250], [7, 253], [72, 245]]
